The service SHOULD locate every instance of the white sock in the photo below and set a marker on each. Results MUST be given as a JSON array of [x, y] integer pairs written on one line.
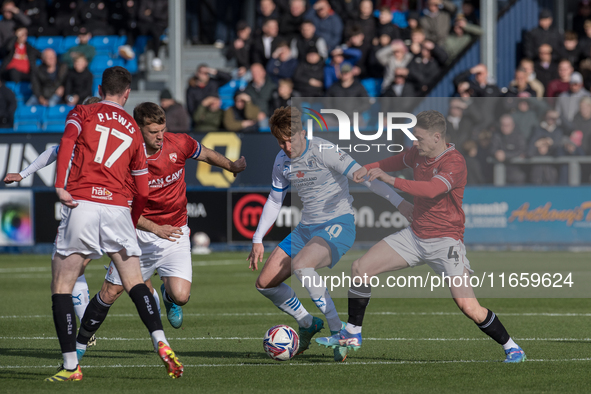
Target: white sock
[[158, 336], [80, 296], [319, 294], [510, 344], [80, 346], [70, 360], [157, 299], [285, 299], [353, 329]]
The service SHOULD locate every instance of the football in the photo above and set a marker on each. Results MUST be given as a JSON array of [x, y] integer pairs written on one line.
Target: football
[[281, 342]]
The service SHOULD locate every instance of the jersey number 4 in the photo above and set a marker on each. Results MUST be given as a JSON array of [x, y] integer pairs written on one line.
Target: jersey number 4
[[453, 254], [102, 146]]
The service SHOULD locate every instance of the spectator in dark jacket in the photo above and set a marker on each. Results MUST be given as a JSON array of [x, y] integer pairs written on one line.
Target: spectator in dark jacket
[[260, 90], [284, 94], [177, 119], [307, 39], [475, 175], [11, 18], [242, 116], [328, 24], [507, 145], [240, 49], [209, 115], [366, 21], [308, 79], [570, 49], [47, 81], [399, 87], [78, 84], [459, 126], [348, 86], [543, 34], [7, 107], [436, 21], [206, 82], [292, 20], [545, 68], [479, 86], [264, 46], [267, 10], [340, 55], [356, 40], [21, 59], [281, 65], [385, 25], [424, 69]]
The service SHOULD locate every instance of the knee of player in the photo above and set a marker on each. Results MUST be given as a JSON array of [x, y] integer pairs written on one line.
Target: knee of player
[[356, 268], [182, 299], [110, 292]]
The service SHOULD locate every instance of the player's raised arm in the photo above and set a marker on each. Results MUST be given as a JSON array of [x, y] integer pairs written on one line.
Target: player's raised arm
[[217, 159], [429, 189]]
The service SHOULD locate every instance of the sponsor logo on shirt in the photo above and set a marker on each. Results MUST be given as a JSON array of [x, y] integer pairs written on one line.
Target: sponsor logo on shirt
[[101, 193], [172, 157], [300, 174], [165, 181]]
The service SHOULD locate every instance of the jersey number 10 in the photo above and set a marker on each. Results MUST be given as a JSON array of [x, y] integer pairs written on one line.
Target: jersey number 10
[[102, 146]]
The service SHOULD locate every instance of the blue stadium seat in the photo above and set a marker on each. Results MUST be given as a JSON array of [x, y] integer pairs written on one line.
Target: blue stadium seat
[[21, 90], [373, 86], [67, 43], [102, 62], [42, 43], [131, 65], [28, 118], [140, 45], [105, 45]]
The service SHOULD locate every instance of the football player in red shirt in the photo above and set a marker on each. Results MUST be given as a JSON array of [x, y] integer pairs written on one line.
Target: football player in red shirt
[[435, 236], [163, 234], [108, 148]]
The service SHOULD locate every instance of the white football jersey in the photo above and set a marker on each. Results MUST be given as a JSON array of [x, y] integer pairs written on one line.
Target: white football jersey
[[319, 176]]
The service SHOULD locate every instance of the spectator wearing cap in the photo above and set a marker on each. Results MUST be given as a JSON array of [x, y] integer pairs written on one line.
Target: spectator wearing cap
[[544, 66], [48, 80], [292, 20], [460, 37], [11, 18], [519, 85], [82, 49], [240, 49], [365, 21], [347, 86], [78, 85], [437, 20], [425, 68], [308, 79], [209, 115], [21, 57], [177, 120], [204, 83], [281, 65], [567, 103], [393, 57], [328, 24], [543, 34], [264, 46], [7, 107], [307, 39], [528, 66], [242, 116], [385, 25], [562, 83], [339, 56], [260, 90]]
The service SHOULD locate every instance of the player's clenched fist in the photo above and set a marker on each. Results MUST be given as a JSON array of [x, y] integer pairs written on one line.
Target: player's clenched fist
[[377, 173], [9, 178], [359, 175], [238, 165], [65, 198], [256, 256]]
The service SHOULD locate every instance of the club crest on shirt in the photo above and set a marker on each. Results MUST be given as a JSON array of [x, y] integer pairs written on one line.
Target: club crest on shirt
[[172, 157], [311, 163], [435, 171]]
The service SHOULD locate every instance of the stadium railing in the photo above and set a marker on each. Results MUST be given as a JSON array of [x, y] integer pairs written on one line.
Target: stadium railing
[[574, 167]]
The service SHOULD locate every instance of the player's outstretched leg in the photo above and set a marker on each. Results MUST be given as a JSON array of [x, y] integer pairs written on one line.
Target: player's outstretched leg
[[95, 315], [350, 336], [320, 296], [488, 322], [174, 312]]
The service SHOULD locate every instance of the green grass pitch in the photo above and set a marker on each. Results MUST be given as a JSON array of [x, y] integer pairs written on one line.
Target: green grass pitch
[[410, 345]]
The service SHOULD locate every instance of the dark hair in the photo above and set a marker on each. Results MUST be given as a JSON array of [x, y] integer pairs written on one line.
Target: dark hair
[[116, 80], [432, 121], [570, 36], [149, 113], [267, 20], [285, 122]]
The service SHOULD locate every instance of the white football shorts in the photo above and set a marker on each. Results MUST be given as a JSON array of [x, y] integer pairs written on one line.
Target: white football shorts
[[93, 228], [166, 257], [444, 255]]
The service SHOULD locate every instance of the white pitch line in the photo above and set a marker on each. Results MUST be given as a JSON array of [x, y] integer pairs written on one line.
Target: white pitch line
[[349, 363], [255, 314], [256, 339]]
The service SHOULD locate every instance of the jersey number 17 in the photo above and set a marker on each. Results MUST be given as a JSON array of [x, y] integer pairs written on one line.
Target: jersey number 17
[[102, 146]]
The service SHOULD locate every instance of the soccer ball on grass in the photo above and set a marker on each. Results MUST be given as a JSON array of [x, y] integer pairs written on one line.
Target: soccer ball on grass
[[281, 342]]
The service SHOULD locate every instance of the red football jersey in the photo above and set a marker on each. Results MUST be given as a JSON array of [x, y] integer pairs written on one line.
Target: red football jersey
[[443, 215], [109, 145], [167, 201]]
